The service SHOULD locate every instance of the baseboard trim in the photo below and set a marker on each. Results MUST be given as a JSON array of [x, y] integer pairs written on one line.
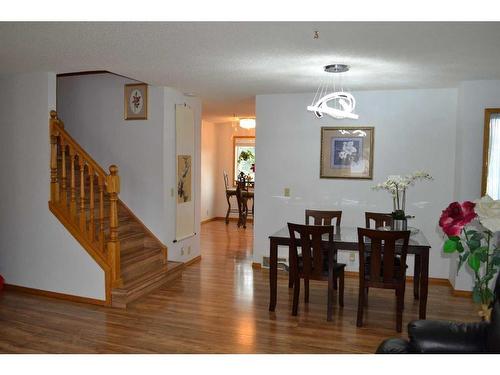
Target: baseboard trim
[[192, 261], [209, 220], [432, 280], [57, 295], [461, 293], [218, 218]]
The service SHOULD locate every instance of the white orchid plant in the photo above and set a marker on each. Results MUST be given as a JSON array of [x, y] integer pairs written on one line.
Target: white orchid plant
[[397, 185]]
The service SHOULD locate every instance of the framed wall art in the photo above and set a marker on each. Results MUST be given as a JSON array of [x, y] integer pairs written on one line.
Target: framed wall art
[[347, 152], [136, 101]]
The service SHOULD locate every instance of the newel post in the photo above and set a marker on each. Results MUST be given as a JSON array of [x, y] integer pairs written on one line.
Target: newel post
[[113, 246], [54, 183]]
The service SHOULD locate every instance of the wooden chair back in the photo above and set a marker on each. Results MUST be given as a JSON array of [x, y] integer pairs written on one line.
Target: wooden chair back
[[383, 247], [226, 180], [380, 219], [324, 217], [309, 238]]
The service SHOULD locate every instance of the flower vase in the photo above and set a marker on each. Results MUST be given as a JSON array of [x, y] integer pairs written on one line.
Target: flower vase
[[399, 224]]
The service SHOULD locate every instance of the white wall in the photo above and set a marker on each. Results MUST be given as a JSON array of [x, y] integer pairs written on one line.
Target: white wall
[[91, 107], [208, 170], [36, 251], [414, 129], [173, 97], [473, 98]]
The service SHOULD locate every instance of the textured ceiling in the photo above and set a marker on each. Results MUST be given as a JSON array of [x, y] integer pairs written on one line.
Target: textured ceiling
[[227, 64]]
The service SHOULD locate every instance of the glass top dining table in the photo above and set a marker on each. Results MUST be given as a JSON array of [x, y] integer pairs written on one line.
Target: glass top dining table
[[346, 238]]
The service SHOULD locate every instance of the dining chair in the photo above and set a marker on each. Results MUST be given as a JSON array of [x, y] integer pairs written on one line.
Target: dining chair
[[379, 219], [321, 217], [316, 262], [230, 192], [382, 264], [324, 217], [242, 199]]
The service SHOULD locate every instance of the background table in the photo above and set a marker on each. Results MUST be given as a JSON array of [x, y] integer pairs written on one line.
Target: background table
[[346, 238]]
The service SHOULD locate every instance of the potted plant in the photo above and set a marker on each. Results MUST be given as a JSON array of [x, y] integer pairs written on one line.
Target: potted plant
[[397, 185], [471, 229]]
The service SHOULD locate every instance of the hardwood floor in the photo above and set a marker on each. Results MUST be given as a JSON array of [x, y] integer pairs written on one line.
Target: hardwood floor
[[219, 306]]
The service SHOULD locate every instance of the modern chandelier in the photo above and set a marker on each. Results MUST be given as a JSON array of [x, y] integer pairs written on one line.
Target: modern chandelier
[[342, 103]]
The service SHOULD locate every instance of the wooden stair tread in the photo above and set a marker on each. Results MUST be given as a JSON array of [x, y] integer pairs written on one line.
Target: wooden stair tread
[[141, 253], [145, 278]]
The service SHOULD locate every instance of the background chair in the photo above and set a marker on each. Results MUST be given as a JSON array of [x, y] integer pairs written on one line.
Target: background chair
[[324, 217], [439, 336], [230, 192], [242, 199], [315, 263], [381, 267], [320, 218], [379, 219]]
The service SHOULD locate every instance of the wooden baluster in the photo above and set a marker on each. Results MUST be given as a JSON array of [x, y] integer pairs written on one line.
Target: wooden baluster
[[54, 185], [100, 182], [113, 246], [72, 199], [91, 204], [83, 213], [63, 193]]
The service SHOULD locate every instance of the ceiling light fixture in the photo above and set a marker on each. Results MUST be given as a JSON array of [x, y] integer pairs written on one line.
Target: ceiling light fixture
[[343, 102], [247, 123]]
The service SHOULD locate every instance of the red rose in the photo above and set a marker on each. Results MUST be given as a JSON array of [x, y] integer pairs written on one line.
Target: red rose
[[456, 216]]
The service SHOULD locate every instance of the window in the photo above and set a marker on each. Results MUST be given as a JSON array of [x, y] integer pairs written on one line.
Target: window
[[244, 157], [491, 154]]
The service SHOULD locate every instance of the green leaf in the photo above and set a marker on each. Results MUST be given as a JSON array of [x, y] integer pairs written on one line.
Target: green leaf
[[449, 246], [454, 238], [478, 236], [473, 244], [496, 260], [474, 262], [476, 295], [462, 260], [482, 253], [470, 232], [460, 247]]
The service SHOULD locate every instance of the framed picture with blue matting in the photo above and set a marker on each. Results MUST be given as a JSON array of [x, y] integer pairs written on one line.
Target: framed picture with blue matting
[[347, 152]]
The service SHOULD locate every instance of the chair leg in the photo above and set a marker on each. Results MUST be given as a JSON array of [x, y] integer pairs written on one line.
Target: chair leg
[[399, 310], [296, 293], [341, 289], [228, 209], [366, 296], [361, 304], [290, 269], [306, 290], [329, 305]]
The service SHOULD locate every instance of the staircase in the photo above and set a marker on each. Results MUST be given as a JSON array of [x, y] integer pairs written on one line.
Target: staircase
[[85, 200]]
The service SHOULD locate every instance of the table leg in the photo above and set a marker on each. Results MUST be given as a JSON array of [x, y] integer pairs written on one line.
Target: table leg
[[424, 283], [290, 265], [416, 276], [273, 274]]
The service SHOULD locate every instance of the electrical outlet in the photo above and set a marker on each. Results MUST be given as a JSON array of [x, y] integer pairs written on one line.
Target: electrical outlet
[[189, 249], [286, 192], [352, 257], [182, 251], [172, 192]]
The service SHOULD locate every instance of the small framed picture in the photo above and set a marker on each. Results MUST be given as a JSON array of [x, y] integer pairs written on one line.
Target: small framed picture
[[136, 101], [347, 152]]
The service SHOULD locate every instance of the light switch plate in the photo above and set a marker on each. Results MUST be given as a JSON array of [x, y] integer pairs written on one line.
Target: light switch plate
[[286, 192]]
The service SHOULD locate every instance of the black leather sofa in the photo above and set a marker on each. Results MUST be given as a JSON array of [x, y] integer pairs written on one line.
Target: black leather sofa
[[437, 336]]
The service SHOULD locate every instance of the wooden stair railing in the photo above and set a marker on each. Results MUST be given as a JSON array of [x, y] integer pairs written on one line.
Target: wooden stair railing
[[92, 218]]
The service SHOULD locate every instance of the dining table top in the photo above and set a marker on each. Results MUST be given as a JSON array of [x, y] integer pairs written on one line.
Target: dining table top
[[349, 235]]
